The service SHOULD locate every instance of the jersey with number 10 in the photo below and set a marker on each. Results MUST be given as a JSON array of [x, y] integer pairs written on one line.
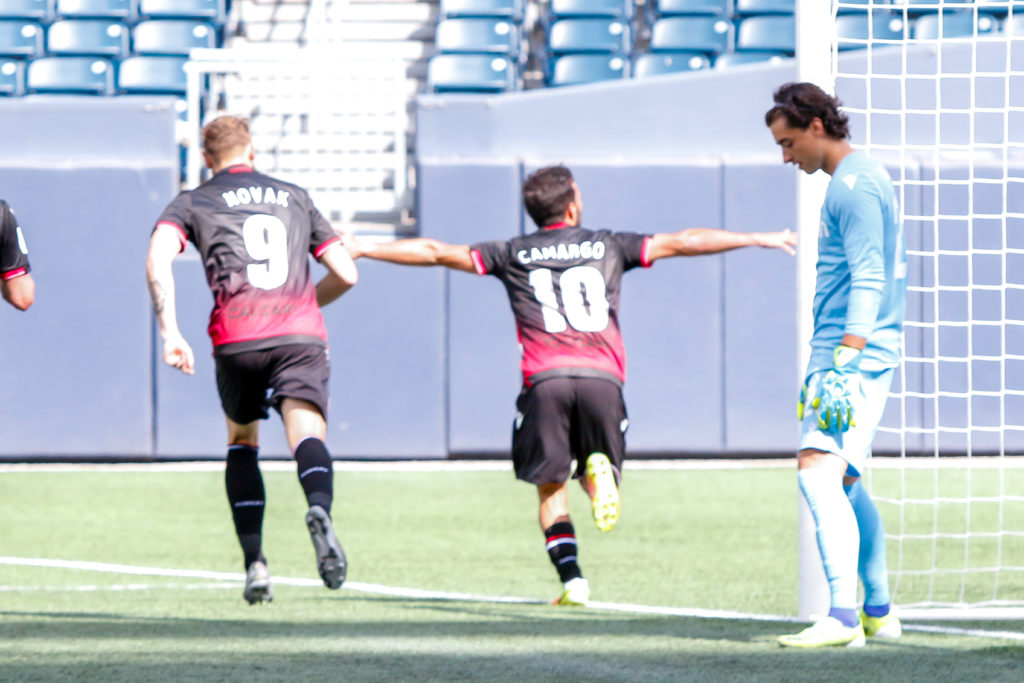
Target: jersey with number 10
[[254, 234], [563, 284]]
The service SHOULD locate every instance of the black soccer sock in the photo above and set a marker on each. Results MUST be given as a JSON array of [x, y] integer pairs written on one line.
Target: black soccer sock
[[561, 545], [247, 497], [316, 472]]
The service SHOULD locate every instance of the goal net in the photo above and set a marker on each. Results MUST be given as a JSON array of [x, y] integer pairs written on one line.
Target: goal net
[[935, 91]]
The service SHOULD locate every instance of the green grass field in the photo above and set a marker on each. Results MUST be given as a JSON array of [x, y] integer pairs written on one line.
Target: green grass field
[[688, 539]]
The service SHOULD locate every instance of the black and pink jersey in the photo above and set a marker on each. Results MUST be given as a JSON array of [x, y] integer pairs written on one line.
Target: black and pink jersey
[[13, 251], [254, 234], [563, 283]]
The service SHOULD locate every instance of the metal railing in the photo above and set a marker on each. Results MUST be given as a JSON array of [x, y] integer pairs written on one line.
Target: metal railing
[[322, 116]]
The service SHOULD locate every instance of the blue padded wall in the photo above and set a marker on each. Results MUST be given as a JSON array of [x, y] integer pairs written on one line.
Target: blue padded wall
[[387, 364], [760, 311], [77, 366], [463, 203]]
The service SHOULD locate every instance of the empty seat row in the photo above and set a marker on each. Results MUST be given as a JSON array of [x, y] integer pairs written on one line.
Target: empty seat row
[[126, 10], [21, 38], [512, 10], [92, 76], [479, 35], [484, 74]]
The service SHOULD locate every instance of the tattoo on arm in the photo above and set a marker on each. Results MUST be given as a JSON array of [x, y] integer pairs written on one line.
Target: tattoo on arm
[[157, 295]]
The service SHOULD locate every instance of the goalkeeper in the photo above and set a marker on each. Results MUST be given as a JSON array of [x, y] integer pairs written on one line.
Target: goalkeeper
[[859, 303]]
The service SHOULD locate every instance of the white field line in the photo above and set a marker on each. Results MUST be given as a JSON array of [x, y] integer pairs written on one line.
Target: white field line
[[416, 593]]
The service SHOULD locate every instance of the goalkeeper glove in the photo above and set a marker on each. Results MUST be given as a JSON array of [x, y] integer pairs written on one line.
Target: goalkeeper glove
[[835, 410]]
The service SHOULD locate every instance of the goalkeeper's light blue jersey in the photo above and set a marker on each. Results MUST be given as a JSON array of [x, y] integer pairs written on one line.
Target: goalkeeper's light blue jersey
[[862, 266]]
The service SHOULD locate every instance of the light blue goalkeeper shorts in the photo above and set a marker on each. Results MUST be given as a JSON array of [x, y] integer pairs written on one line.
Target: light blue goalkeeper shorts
[[854, 445]]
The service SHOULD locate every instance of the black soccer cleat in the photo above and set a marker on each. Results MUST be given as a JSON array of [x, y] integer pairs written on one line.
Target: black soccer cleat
[[330, 558], [257, 584]]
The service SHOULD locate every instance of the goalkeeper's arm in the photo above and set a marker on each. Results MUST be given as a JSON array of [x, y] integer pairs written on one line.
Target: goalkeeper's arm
[[699, 241]]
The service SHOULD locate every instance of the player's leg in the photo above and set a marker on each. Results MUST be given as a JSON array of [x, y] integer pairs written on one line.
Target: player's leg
[[241, 386], [541, 456], [820, 476], [560, 538], [877, 618], [299, 379], [598, 439]]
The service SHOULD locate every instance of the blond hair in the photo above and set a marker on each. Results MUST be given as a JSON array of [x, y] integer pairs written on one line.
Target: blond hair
[[225, 137]]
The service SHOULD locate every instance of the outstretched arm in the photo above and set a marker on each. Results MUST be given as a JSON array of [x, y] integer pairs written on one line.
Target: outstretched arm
[[699, 241], [20, 291], [341, 276], [421, 251], [164, 246]]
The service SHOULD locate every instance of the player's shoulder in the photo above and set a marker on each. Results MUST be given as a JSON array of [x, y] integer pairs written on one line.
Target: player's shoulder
[[857, 175], [280, 185]]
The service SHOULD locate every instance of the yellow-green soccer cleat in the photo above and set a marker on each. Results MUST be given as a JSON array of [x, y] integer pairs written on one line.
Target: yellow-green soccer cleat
[[888, 626], [575, 593], [826, 632], [604, 493]]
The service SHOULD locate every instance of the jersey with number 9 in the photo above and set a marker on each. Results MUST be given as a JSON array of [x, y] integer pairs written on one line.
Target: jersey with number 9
[[254, 234], [563, 284]]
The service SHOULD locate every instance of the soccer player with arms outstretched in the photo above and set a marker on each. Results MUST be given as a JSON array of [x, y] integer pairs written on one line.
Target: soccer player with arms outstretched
[[254, 235], [16, 285], [563, 285], [859, 306]]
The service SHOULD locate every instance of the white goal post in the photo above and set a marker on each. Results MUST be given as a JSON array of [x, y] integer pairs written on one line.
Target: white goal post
[[942, 107]]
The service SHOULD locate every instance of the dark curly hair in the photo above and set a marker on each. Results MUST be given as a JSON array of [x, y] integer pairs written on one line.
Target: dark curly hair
[[801, 103], [547, 194]]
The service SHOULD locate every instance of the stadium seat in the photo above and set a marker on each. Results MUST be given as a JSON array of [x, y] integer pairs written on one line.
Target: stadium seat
[[588, 35], [20, 38], [746, 7], [1014, 25], [650, 64], [580, 69], [211, 10], [709, 35], [733, 59], [1001, 8], [485, 36], [855, 31], [12, 78], [668, 8], [87, 37], [952, 25], [470, 73], [172, 36], [511, 10], [608, 9], [95, 9], [916, 7], [766, 34], [152, 75], [40, 10], [70, 75]]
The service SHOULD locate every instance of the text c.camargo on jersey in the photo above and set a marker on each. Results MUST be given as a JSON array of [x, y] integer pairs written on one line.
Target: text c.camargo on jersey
[[562, 252], [255, 195]]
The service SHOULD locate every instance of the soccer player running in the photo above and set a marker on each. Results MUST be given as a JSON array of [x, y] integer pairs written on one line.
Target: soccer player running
[[16, 285], [859, 305], [563, 285], [254, 234]]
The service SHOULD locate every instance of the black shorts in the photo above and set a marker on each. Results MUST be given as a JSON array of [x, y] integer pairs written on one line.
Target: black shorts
[[251, 382], [563, 419]]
